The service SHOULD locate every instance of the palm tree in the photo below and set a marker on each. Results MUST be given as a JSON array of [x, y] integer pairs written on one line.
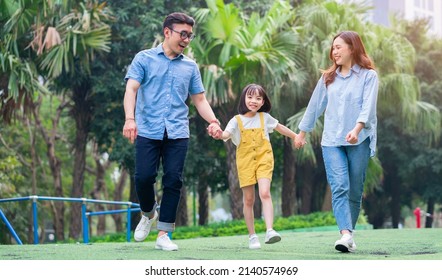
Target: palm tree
[[19, 82], [65, 36], [83, 31], [18, 70], [235, 49]]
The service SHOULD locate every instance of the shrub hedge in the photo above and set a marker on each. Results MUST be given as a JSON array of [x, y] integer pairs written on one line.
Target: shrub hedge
[[238, 227]]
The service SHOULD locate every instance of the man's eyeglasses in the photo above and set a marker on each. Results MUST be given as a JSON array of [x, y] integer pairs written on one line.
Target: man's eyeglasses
[[184, 35]]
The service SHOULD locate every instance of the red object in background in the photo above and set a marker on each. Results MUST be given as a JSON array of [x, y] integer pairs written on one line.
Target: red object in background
[[417, 213]]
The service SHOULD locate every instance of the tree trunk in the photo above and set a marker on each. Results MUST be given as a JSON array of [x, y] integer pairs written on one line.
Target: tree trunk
[[430, 210], [235, 191], [33, 167], [202, 183], [288, 193], [135, 215], [99, 191], [182, 217], [306, 189], [395, 205], [118, 196], [34, 160], [58, 207], [375, 205], [54, 164], [203, 202], [314, 192], [326, 204], [82, 113]]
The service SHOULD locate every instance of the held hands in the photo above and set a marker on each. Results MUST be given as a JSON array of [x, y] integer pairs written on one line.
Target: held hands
[[130, 130], [215, 130], [299, 141]]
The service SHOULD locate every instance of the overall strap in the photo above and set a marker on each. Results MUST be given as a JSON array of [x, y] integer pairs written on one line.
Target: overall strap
[[240, 124], [261, 117]]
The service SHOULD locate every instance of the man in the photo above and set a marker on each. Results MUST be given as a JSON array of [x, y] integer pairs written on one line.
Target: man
[[159, 81]]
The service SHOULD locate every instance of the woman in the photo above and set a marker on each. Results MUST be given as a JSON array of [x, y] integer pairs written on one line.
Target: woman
[[347, 92]]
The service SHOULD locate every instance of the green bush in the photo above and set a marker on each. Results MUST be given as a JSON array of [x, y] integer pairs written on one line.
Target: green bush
[[238, 227]]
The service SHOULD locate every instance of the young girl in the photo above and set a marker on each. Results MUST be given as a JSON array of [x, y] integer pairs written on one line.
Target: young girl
[[347, 92], [249, 131]]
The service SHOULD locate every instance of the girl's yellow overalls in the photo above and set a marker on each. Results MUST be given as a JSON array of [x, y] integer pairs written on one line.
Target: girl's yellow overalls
[[254, 155]]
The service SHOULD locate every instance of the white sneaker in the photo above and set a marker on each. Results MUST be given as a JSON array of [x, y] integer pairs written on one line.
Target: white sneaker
[[143, 228], [254, 242], [346, 243], [272, 237], [164, 243]]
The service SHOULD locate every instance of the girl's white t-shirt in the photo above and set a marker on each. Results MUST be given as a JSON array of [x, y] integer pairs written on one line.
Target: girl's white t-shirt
[[250, 122]]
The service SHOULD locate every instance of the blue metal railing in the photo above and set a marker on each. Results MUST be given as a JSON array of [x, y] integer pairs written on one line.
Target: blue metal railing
[[8, 225], [84, 213]]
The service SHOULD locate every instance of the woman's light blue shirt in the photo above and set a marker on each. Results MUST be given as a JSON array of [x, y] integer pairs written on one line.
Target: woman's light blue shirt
[[165, 85], [346, 101]]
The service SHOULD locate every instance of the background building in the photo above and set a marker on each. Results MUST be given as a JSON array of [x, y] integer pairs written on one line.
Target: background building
[[408, 9]]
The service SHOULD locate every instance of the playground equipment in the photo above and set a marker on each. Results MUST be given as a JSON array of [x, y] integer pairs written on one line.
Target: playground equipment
[[8, 225], [84, 213]]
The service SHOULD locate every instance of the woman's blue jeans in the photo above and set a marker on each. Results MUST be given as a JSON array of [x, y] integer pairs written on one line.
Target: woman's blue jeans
[[345, 167], [172, 154]]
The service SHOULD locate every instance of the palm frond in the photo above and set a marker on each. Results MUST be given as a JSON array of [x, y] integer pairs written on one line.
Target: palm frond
[[374, 175], [399, 95]]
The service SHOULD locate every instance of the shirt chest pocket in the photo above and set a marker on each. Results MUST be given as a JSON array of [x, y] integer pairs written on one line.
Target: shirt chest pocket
[[356, 101], [355, 92], [181, 86], [353, 97]]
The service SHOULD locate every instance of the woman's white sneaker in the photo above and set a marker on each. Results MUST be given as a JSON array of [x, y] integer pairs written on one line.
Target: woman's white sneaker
[[164, 243], [272, 237], [346, 243], [254, 242]]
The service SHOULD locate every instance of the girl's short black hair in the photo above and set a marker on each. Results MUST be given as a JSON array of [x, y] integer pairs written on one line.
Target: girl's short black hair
[[177, 18], [253, 89]]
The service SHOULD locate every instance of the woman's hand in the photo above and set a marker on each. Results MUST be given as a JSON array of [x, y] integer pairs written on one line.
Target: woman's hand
[[352, 136], [299, 140]]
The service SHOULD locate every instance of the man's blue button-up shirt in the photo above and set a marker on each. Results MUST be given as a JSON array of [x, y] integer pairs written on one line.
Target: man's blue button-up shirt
[[165, 85], [346, 101]]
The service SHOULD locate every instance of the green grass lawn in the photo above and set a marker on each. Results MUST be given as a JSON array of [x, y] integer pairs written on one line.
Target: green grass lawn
[[383, 244]]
